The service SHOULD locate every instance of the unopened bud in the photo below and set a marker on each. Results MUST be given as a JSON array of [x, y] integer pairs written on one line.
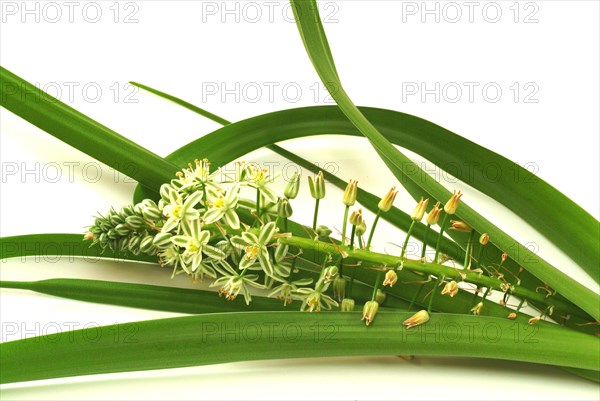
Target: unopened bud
[[146, 244], [512, 316], [369, 311], [380, 296], [162, 240], [293, 186], [391, 277], [484, 239], [323, 232], [284, 209], [419, 212], [135, 222], [356, 217], [476, 310], [386, 203], [459, 225], [504, 257], [450, 288], [317, 186], [451, 206], [434, 215], [347, 305], [339, 288], [361, 228], [350, 193], [417, 319]]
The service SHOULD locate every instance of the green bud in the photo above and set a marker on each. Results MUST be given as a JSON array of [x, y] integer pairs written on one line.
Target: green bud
[[380, 297], [147, 245], [167, 192], [361, 228], [123, 243], [323, 232], [162, 240], [350, 193], [293, 186], [317, 186], [356, 217], [347, 305], [112, 234], [135, 222], [115, 219], [284, 209], [134, 245], [126, 211], [138, 209], [122, 229], [339, 288], [151, 213]]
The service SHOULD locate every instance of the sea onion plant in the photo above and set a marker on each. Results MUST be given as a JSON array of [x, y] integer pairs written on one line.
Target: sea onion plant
[[205, 213]]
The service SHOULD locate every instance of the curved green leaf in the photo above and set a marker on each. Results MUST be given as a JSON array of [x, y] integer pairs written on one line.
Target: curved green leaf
[[315, 42], [230, 337]]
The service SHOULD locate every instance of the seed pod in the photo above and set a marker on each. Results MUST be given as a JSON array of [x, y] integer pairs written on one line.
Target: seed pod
[[293, 186], [380, 296], [284, 209], [339, 288], [317, 186], [347, 305], [369, 311], [350, 193]]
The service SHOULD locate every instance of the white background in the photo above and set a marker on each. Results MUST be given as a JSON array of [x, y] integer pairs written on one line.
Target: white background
[[381, 49]]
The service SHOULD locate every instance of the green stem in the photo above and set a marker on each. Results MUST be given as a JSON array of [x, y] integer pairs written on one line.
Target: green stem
[[433, 292], [408, 234], [469, 246], [285, 225], [415, 297], [377, 216], [376, 285], [425, 242], [314, 226], [352, 235], [439, 240], [360, 242], [258, 202], [344, 224]]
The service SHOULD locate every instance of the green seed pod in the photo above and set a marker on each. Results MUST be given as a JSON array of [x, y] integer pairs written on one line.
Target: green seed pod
[[323, 232], [162, 240], [122, 229], [135, 222], [317, 186]]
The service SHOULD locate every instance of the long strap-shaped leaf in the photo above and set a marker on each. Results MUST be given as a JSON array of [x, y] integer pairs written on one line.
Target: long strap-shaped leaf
[[83, 133], [231, 337], [313, 36]]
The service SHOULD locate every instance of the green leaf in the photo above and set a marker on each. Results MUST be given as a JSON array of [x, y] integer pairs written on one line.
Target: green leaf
[[76, 129], [231, 337], [315, 42]]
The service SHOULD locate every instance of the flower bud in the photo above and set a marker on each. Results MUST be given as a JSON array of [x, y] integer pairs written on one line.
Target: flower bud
[[162, 240], [339, 288], [167, 192], [356, 217], [151, 213], [329, 273], [135, 222], [434, 215], [385, 204], [361, 228], [347, 305], [115, 219], [126, 211], [460, 226], [450, 288], [369, 311], [323, 231], [134, 245], [503, 257], [293, 186], [147, 245], [419, 212], [418, 318], [350, 193], [284, 209], [391, 278], [317, 186], [122, 229], [451, 206], [484, 239], [477, 308], [380, 296], [512, 316]]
